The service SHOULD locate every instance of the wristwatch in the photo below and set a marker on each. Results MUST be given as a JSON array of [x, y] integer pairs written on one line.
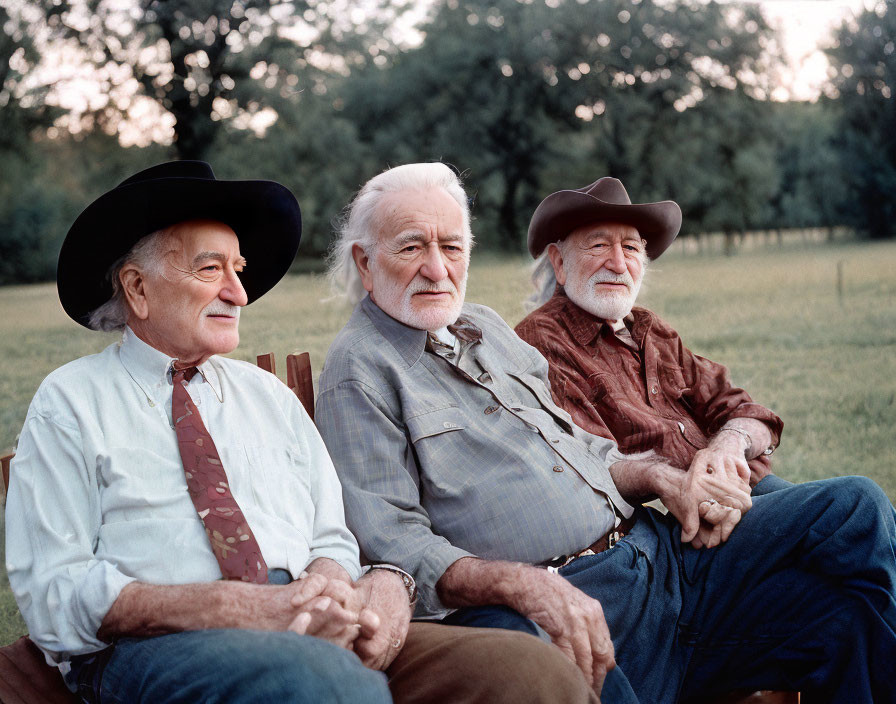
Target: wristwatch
[[409, 584]]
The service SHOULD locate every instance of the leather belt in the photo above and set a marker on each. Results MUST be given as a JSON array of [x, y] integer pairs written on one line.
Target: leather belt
[[605, 542]]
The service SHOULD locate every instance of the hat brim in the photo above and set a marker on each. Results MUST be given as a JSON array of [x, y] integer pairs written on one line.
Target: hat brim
[[264, 215], [564, 211]]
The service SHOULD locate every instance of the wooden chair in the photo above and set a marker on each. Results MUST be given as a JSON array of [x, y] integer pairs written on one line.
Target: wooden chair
[[25, 677]]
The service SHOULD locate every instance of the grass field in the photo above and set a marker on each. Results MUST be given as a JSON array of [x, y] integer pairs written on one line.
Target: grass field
[[826, 363]]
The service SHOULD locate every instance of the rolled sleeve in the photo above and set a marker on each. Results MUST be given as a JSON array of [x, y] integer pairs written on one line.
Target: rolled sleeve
[[331, 537], [375, 461], [52, 522]]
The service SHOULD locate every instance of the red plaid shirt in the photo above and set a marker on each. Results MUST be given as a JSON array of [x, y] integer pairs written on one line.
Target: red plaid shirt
[[659, 397]]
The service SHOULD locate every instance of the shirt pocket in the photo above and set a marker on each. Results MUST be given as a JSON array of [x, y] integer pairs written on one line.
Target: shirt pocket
[[433, 423], [276, 477], [673, 384], [540, 391]]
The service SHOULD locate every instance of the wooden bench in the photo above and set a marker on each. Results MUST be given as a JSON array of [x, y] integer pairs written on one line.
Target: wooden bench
[[26, 678]]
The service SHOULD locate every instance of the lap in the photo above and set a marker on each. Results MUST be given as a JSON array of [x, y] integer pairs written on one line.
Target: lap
[[236, 666], [442, 663]]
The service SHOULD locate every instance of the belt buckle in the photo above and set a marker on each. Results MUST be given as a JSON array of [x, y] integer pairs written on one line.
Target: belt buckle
[[613, 537]]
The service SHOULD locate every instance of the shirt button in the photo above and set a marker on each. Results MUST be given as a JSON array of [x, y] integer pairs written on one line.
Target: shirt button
[[555, 440], [450, 355], [557, 468], [485, 378], [491, 409], [653, 389]]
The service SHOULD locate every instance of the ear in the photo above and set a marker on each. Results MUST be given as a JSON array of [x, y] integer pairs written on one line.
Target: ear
[[133, 285], [362, 261], [557, 262]]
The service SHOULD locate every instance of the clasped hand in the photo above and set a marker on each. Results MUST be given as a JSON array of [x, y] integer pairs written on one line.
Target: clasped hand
[[370, 616], [710, 499]]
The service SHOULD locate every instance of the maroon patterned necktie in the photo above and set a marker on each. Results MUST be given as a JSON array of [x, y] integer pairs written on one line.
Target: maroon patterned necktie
[[232, 540]]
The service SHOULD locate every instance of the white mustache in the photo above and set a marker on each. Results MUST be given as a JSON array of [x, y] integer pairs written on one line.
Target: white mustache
[[608, 277], [222, 308], [428, 287]]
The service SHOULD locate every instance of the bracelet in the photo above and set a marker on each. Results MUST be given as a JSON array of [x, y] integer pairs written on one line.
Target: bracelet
[[742, 433], [409, 584]]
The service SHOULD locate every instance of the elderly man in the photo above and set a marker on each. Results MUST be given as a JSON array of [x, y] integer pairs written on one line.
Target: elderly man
[[175, 527], [624, 374], [458, 466]]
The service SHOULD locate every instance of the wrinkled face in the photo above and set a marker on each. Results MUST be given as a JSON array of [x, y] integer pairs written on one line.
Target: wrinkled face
[[191, 309], [417, 272], [601, 266]]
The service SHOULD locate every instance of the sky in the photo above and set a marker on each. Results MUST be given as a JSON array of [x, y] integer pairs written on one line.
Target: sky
[[805, 25]]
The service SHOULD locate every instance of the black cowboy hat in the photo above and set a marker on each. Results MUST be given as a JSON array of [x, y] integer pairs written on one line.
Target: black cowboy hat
[[604, 200], [264, 215]]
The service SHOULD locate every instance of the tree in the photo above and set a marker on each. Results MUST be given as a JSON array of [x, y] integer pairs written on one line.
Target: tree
[[864, 56], [506, 89], [208, 61]]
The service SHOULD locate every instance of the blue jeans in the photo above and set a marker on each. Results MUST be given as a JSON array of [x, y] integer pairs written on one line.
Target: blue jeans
[[232, 666], [802, 596]]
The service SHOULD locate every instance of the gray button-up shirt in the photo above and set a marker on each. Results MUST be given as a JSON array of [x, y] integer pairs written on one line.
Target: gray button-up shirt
[[441, 460]]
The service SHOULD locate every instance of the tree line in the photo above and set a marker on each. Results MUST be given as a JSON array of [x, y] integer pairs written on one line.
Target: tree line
[[523, 97]]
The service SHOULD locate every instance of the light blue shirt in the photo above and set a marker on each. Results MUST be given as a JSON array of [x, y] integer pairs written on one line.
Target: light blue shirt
[[98, 498]]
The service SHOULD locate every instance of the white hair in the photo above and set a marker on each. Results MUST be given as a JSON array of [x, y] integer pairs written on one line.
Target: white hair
[[357, 225], [544, 279], [147, 256]]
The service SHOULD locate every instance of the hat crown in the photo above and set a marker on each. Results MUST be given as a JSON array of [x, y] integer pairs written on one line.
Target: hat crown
[[609, 190], [172, 169]]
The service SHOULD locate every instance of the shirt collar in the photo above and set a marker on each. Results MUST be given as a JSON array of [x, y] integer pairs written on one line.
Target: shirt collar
[[150, 369], [582, 325], [409, 342]]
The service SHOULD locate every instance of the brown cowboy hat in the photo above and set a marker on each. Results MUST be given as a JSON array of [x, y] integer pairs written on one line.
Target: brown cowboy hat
[[604, 200], [264, 215]]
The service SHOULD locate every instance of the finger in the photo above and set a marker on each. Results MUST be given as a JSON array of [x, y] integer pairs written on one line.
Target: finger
[[369, 621], [575, 648], [300, 623], [728, 525], [339, 591], [307, 588], [690, 523]]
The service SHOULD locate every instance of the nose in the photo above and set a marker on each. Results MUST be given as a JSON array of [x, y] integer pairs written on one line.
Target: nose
[[232, 290], [615, 261], [433, 267]]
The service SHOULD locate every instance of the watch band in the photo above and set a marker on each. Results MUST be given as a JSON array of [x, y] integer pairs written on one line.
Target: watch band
[[409, 584]]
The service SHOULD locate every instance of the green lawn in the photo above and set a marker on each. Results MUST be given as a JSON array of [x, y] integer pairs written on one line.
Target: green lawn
[[827, 365]]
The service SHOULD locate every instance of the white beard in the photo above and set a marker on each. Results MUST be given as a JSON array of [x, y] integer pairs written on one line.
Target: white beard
[[607, 305], [399, 304]]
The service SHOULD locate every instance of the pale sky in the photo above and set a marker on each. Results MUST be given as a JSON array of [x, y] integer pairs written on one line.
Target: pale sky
[[805, 25]]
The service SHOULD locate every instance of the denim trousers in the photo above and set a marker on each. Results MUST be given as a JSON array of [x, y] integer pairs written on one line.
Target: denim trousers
[[227, 665], [802, 596]]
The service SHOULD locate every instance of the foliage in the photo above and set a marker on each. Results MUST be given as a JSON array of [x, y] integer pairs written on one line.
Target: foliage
[[209, 61], [864, 57]]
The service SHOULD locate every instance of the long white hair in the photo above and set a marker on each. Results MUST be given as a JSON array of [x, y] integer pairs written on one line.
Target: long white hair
[[357, 222]]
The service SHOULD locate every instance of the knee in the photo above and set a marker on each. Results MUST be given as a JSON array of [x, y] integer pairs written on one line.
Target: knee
[[484, 665], [861, 493], [303, 669]]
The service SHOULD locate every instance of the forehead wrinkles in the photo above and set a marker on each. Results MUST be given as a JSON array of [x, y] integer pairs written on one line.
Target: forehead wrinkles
[[418, 214]]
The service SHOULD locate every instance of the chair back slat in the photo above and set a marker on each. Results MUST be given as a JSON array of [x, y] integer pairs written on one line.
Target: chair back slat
[[5, 460], [266, 362], [300, 380]]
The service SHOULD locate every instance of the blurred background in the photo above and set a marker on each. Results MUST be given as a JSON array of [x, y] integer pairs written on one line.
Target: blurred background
[[772, 124], [755, 116]]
